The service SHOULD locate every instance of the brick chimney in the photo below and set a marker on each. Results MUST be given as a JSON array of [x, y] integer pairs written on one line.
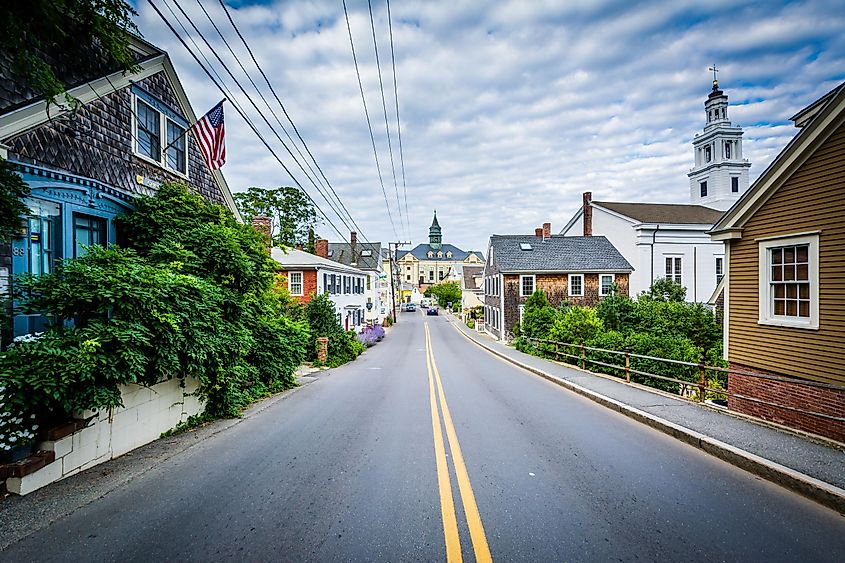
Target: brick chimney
[[261, 223], [588, 214], [547, 230], [353, 245], [322, 248], [538, 232]]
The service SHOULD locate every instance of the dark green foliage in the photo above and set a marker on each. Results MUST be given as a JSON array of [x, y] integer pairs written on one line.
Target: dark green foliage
[[539, 316], [576, 325], [12, 190], [292, 215], [321, 317], [195, 296], [39, 34], [445, 293], [664, 289], [616, 311]]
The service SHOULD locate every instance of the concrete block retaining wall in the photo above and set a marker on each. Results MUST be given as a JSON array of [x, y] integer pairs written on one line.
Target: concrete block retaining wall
[[147, 412]]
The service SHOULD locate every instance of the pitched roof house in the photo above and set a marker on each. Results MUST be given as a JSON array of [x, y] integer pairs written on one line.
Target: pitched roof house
[[309, 275], [366, 256], [665, 240], [85, 164], [784, 291], [580, 269]]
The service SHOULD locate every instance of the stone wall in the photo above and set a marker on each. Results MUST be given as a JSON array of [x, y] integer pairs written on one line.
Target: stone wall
[[147, 412], [794, 394]]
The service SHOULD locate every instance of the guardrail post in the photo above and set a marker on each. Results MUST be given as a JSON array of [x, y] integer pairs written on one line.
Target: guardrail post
[[583, 357], [627, 364], [557, 350], [702, 379]]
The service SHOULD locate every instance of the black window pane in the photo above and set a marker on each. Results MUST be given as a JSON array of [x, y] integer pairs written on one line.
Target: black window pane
[[148, 131], [176, 149]]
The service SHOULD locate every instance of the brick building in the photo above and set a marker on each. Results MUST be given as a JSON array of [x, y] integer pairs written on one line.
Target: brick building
[[579, 270], [85, 164], [309, 275]]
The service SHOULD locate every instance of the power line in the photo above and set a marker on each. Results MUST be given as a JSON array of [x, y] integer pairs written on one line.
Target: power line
[[369, 124], [264, 118], [384, 107], [281, 105], [243, 115], [398, 123]]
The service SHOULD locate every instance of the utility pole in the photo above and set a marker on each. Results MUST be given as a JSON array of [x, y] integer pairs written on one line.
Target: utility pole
[[393, 249]]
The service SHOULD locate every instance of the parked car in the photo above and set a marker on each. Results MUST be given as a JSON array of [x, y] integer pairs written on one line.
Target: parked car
[[410, 307], [431, 310]]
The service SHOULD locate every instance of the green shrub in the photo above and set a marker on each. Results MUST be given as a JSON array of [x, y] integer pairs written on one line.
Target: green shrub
[[617, 312], [664, 289], [539, 316], [322, 320], [663, 346], [610, 340], [576, 326]]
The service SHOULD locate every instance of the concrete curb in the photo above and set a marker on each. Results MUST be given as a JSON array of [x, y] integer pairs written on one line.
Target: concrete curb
[[824, 493]]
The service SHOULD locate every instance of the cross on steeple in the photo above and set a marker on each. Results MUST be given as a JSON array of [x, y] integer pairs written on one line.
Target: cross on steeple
[[715, 80]]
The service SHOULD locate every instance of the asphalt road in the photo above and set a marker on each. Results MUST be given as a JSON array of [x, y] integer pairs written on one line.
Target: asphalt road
[[426, 449]]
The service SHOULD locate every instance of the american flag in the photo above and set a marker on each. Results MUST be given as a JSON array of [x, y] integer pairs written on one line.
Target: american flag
[[210, 136]]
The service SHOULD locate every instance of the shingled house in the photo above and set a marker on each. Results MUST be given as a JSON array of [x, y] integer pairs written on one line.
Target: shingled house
[[579, 270], [85, 165]]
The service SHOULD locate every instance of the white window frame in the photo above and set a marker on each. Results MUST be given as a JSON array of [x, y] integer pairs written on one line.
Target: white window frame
[[521, 313], [569, 285], [522, 287], [679, 273], [767, 316], [719, 260], [301, 284], [162, 126], [601, 285]]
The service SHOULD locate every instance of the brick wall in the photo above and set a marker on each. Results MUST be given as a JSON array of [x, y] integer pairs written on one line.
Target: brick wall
[[309, 285], [818, 399]]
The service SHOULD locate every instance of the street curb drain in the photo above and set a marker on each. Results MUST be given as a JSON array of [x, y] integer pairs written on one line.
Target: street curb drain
[[826, 494]]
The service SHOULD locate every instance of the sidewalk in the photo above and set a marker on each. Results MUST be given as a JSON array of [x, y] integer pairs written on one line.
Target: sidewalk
[[807, 467]]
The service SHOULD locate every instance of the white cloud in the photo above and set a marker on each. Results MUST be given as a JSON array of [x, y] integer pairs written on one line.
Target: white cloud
[[511, 109]]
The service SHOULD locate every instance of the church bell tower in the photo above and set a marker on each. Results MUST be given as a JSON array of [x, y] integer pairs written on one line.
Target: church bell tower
[[720, 174]]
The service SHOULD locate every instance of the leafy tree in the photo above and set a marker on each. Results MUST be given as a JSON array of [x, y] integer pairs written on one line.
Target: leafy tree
[[576, 325], [292, 215], [322, 320], [616, 311], [445, 293], [12, 189], [46, 38], [664, 289], [539, 316]]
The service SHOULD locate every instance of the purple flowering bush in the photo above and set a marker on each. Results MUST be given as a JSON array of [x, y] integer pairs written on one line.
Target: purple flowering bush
[[370, 335]]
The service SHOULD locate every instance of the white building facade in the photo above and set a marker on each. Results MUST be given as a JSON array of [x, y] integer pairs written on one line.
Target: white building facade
[[663, 240]]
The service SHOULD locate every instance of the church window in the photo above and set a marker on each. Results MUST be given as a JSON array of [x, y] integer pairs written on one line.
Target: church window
[[708, 154], [703, 186], [735, 184], [727, 149]]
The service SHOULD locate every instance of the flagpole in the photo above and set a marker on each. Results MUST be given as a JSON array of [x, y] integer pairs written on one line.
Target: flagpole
[[174, 141]]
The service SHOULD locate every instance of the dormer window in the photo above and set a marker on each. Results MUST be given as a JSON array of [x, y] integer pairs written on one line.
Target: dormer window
[[440, 254], [449, 254], [160, 135], [430, 254]]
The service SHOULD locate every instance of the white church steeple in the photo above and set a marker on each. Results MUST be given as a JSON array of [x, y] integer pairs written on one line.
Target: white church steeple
[[720, 174]]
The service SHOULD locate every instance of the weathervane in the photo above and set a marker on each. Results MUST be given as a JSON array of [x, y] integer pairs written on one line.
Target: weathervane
[[715, 80]]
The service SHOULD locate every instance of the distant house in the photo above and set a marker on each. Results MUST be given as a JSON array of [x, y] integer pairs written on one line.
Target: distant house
[[784, 291], [579, 270], [472, 287], [366, 256], [667, 240], [85, 165], [309, 275]]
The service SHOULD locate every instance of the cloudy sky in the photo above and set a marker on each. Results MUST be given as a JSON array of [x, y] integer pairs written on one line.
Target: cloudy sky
[[509, 109]]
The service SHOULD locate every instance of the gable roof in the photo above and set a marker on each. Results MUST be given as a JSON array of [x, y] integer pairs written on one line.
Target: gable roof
[[20, 112], [291, 259], [824, 117], [672, 213], [471, 276], [420, 252], [342, 252], [557, 254]]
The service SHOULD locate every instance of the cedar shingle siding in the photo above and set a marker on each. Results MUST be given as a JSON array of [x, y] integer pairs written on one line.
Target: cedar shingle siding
[[98, 144], [811, 200]]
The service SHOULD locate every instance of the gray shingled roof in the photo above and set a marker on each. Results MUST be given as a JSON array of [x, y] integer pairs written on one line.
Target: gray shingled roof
[[557, 254], [342, 252], [675, 213], [471, 275]]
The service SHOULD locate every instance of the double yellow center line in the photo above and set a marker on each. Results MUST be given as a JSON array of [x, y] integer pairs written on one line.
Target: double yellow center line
[[447, 505]]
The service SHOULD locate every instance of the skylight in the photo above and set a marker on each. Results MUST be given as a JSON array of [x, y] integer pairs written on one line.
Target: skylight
[[525, 246], [366, 253], [330, 252]]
